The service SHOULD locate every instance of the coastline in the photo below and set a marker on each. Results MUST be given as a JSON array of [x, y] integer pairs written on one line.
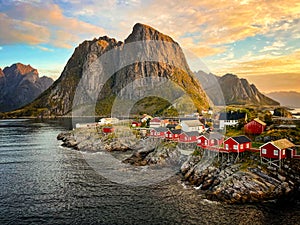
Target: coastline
[[222, 179]]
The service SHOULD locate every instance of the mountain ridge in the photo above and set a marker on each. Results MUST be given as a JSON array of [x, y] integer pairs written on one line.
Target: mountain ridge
[[104, 53], [231, 90], [19, 85], [286, 98]]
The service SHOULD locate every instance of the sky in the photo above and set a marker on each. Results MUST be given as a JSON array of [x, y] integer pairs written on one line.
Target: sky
[[255, 39]]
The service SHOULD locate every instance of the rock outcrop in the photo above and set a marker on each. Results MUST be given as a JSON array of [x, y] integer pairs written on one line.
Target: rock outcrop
[[240, 182], [142, 152], [231, 90], [147, 63], [19, 85]]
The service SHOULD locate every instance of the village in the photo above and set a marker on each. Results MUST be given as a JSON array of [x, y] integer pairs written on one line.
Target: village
[[201, 131]]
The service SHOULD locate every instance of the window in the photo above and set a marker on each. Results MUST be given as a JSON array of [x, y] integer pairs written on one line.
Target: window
[[283, 152], [235, 147], [275, 152], [205, 142], [226, 146], [264, 151], [242, 146], [247, 145]]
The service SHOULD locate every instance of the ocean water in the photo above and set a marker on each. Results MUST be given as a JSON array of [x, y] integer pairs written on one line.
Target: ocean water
[[43, 183]]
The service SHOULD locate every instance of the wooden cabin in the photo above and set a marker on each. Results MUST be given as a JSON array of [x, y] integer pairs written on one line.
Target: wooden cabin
[[255, 126], [159, 132], [237, 144], [188, 137]]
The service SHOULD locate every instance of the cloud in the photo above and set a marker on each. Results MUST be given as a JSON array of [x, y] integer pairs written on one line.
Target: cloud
[[283, 71], [277, 45], [280, 82], [44, 22], [45, 49], [18, 31]]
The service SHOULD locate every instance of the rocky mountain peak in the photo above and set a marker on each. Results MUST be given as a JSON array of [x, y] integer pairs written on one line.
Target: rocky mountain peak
[[232, 90], [142, 32], [19, 85], [19, 69], [135, 77]]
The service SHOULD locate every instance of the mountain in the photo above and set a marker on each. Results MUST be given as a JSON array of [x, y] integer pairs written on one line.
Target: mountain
[[19, 85], [104, 75], [286, 98], [231, 90]]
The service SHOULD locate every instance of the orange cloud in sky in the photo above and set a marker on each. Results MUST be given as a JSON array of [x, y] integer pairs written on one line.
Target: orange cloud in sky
[[269, 74], [44, 23]]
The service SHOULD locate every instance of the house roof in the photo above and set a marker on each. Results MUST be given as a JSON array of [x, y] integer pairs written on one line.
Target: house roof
[[156, 119], [171, 125], [177, 131], [214, 135], [283, 143], [260, 122], [232, 116], [192, 133], [241, 139], [192, 123], [161, 129]]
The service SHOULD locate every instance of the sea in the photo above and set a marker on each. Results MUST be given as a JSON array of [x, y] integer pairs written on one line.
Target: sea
[[44, 183]]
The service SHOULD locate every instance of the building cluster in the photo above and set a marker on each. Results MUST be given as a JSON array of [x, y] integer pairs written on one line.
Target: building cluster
[[195, 131]]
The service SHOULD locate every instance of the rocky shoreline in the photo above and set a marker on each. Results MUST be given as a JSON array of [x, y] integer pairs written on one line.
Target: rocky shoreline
[[241, 182], [221, 178]]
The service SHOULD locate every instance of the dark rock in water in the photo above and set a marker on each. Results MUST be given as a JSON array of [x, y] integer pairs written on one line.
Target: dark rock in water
[[68, 140], [155, 152]]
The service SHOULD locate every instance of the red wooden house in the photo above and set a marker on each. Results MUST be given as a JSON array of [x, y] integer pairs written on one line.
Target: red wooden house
[[188, 137], [256, 126], [159, 132], [203, 141], [211, 139], [173, 135], [237, 144], [279, 149], [107, 130]]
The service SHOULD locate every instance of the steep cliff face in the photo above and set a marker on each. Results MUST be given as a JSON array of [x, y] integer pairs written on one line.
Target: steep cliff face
[[105, 69], [19, 85], [231, 90]]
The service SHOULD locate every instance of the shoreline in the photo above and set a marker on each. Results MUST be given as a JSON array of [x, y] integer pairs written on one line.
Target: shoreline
[[222, 180]]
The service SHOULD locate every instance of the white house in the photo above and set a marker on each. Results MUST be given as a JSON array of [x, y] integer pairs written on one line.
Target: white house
[[192, 125], [155, 122], [105, 121], [230, 119]]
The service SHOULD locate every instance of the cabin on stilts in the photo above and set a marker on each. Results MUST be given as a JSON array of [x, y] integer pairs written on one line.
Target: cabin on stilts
[[273, 152]]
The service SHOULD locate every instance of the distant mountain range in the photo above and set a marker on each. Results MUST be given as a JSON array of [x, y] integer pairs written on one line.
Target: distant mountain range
[[149, 66], [231, 90], [286, 98], [19, 85]]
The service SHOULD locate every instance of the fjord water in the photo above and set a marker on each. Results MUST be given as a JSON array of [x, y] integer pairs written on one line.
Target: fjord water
[[43, 183]]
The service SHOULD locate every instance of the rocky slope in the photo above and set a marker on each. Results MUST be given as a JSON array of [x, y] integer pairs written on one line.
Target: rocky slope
[[242, 181], [231, 90], [19, 85], [147, 63]]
